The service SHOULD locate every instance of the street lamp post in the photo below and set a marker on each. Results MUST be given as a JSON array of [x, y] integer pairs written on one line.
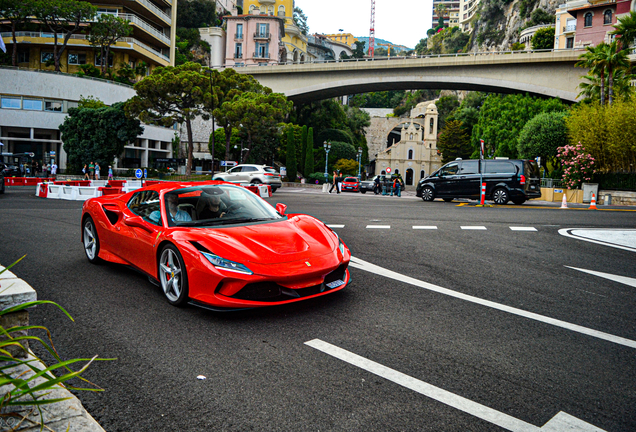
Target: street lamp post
[[327, 147], [359, 160]]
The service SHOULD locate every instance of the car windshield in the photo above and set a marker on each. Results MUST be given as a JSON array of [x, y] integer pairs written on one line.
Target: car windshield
[[351, 179], [215, 205]]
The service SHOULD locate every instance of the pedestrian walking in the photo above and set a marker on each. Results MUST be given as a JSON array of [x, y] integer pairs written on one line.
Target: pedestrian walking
[[91, 170], [376, 185], [97, 171], [339, 182], [85, 171], [54, 170], [110, 172], [333, 183]]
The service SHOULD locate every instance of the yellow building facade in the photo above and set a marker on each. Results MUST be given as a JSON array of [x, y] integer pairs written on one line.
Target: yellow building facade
[[294, 43], [345, 38], [152, 40]]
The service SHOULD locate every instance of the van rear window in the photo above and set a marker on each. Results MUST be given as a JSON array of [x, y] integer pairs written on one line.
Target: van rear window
[[499, 167], [532, 169]]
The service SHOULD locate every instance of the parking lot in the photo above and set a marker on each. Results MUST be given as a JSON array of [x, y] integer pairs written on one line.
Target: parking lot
[[458, 318]]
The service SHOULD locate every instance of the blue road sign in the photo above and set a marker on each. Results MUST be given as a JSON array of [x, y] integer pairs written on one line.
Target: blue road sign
[[138, 173], [145, 173]]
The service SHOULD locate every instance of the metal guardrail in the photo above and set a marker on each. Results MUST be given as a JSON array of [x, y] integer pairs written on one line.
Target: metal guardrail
[[551, 183]]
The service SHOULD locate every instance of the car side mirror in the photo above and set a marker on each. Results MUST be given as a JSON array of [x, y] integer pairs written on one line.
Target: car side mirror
[[281, 208], [135, 221]]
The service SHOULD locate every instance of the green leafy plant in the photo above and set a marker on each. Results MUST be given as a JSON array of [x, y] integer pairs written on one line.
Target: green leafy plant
[[30, 390]]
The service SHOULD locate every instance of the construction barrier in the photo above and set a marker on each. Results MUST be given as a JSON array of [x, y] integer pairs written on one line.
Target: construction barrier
[[264, 191], [85, 192], [111, 190], [41, 190], [68, 193], [54, 191]]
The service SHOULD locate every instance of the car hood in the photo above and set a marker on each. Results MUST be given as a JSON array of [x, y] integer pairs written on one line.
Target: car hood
[[298, 237]]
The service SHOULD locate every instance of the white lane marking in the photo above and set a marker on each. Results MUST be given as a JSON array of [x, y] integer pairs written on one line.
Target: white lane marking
[[616, 278], [424, 227], [378, 226], [522, 229], [372, 268], [561, 422], [335, 226], [618, 238], [473, 227]]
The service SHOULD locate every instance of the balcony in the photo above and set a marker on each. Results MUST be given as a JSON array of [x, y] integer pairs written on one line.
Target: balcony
[[261, 55], [262, 36], [238, 56], [238, 37], [154, 9], [134, 19], [569, 28]]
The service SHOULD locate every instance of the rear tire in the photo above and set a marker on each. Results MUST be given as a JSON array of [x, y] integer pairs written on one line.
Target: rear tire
[[256, 182], [428, 194], [90, 240], [500, 196]]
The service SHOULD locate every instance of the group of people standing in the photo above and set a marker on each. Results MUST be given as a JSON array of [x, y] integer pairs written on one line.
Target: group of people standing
[[392, 185], [91, 171]]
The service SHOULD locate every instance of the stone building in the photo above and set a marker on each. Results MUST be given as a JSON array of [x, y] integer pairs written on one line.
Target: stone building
[[411, 145]]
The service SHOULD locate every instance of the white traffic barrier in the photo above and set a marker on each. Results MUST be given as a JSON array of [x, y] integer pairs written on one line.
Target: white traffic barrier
[[54, 191], [68, 193], [38, 187], [98, 183], [264, 191], [85, 192], [131, 185]]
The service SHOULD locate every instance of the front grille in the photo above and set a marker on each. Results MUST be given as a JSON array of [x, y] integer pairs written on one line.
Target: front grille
[[272, 292]]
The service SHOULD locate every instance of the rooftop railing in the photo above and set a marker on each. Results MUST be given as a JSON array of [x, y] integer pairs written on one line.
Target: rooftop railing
[[166, 17]]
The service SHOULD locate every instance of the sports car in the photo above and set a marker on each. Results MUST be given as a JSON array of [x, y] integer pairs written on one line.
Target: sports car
[[216, 245]]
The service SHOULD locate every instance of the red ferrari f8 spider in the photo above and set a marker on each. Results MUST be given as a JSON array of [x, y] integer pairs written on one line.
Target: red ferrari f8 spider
[[216, 245]]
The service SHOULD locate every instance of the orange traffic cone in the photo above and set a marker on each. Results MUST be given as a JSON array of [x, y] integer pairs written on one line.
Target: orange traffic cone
[[564, 202], [593, 204]]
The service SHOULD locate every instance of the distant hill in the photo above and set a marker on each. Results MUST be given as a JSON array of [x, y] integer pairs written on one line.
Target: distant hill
[[379, 41]]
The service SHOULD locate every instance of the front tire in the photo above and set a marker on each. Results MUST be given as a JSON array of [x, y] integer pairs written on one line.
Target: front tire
[[500, 196], [428, 194], [91, 240], [173, 276]]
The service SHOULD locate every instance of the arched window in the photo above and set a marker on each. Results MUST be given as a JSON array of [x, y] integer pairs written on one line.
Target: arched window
[[411, 137], [607, 17], [281, 10], [397, 171], [410, 153], [431, 127], [422, 174], [270, 10], [588, 19]]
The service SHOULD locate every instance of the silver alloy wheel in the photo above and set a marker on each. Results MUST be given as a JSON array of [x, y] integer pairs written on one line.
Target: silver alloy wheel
[[90, 240], [500, 196], [428, 194], [170, 274]]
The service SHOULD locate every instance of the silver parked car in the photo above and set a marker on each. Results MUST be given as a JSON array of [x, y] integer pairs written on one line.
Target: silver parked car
[[254, 174]]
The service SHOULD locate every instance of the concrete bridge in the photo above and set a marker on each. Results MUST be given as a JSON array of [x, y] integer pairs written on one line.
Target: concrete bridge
[[543, 73]]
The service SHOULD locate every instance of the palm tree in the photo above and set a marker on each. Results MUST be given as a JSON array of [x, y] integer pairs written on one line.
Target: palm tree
[[593, 60], [590, 88], [441, 11], [614, 60], [626, 30]]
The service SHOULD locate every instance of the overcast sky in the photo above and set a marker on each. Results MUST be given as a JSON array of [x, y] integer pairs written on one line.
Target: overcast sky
[[402, 22]]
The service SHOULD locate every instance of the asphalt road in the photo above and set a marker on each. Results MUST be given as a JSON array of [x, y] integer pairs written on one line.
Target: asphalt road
[[457, 362]]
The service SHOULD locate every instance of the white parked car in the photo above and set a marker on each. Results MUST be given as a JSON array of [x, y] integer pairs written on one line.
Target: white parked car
[[254, 174]]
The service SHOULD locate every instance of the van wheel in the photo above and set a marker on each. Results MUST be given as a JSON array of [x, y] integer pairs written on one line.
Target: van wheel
[[519, 201], [448, 199], [500, 196], [363, 191], [428, 194]]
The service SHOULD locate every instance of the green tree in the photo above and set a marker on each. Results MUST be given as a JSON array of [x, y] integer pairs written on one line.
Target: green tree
[[291, 156], [105, 32], [16, 13], [218, 140], [97, 134], [257, 115], [194, 14], [300, 20], [445, 105], [422, 47], [543, 39], [309, 153], [441, 11], [542, 135], [358, 50], [190, 47], [625, 29], [63, 17], [90, 102], [622, 85], [454, 142], [604, 62], [346, 166], [303, 150], [502, 117], [172, 95]]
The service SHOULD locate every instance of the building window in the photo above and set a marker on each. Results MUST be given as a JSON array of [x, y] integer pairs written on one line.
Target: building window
[[239, 31], [98, 60], [281, 10], [588, 19], [262, 50], [263, 30], [252, 8], [270, 10], [422, 174], [238, 51], [11, 102], [23, 56], [55, 106], [569, 42], [410, 154], [32, 104], [430, 131], [76, 58], [607, 17], [46, 56]]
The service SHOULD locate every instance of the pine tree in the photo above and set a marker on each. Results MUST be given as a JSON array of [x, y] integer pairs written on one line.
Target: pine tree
[[303, 150], [309, 156], [292, 169]]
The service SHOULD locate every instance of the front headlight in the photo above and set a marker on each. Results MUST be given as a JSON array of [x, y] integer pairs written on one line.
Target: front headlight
[[224, 264]]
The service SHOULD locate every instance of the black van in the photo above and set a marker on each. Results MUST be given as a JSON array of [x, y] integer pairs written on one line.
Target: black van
[[516, 180]]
